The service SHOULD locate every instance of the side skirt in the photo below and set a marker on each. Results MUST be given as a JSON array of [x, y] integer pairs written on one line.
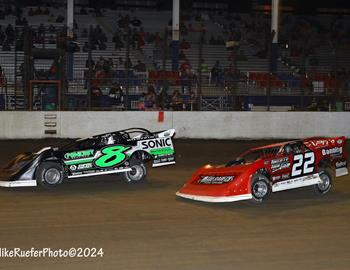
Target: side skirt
[[19, 183], [298, 182], [98, 173]]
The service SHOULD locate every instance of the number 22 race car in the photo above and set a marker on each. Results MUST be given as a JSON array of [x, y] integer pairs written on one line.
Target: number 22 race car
[[260, 171], [124, 152]]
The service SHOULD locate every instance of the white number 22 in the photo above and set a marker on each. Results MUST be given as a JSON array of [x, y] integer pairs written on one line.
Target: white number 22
[[307, 159]]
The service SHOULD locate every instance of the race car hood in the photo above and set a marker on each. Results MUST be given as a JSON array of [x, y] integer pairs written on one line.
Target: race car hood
[[217, 181]]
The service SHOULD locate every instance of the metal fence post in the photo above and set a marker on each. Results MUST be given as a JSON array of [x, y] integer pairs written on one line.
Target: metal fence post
[[127, 56], [89, 70]]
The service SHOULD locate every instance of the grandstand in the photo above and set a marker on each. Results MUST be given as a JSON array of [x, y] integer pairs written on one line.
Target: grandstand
[[224, 59]]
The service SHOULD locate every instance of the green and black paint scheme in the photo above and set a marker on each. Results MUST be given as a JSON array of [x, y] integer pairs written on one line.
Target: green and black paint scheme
[[124, 151]]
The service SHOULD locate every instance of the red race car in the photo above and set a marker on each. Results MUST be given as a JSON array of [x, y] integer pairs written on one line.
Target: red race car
[[260, 171]]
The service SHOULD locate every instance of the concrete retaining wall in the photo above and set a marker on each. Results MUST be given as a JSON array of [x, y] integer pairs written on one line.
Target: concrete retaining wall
[[208, 125]]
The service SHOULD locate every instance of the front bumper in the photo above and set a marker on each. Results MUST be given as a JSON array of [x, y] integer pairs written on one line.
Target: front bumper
[[215, 199]]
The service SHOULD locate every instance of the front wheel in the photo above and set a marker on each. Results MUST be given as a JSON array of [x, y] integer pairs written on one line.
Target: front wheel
[[49, 174], [137, 174], [261, 188], [326, 182]]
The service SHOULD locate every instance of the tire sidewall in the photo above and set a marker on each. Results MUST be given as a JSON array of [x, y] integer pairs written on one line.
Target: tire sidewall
[[260, 178], [327, 172], [43, 168], [141, 166]]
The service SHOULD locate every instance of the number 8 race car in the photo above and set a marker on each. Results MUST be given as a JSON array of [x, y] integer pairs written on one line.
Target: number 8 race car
[[260, 171], [124, 151]]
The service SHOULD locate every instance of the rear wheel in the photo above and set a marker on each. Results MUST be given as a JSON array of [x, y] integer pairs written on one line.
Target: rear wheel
[[137, 174], [49, 174], [325, 185], [261, 188]]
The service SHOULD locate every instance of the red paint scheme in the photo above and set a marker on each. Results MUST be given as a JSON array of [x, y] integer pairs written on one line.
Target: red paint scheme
[[270, 154]]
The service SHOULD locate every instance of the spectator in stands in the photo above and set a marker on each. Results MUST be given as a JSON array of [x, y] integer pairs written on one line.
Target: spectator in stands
[[60, 19], [38, 11], [157, 40], [6, 46], [41, 30], [185, 66], [2, 36], [216, 73], [128, 63], [150, 98], [177, 101], [136, 22], [140, 67], [96, 96], [30, 12], [117, 40], [203, 66], [2, 77], [120, 62], [46, 11], [182, 55], [184, 45], [84, 33], [51, 19], [10, 33], [191, 102], [102, 46], [164, 100], [212, 40], [51, 28], [83, 11], [117, 96]]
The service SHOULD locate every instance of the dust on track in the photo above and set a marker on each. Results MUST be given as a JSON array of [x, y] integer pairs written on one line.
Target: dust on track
[[146, 227]]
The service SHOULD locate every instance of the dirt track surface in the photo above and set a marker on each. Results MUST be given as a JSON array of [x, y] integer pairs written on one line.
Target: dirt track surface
[[146, 227]]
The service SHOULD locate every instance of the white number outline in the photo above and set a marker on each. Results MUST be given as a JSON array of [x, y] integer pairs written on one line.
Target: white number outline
[[302, 166]]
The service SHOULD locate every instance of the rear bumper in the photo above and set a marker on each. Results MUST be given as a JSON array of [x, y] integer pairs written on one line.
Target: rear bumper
[[215, 199], [20, 183]]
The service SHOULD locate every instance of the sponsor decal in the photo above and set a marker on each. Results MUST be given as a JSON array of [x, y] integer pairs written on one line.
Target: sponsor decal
[[340, 164], [80, 166], [296, 182], [215, 179], [279, 164], [85, 166], [276, 178], [340, 141], [156, 143], [285, 176], [162, 151], [79, 154], [319, 143], [332, 151]]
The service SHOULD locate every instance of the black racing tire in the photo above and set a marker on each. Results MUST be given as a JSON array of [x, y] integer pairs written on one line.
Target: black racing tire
[[137, 174], [260, 188], [325, 186], [49, 174]]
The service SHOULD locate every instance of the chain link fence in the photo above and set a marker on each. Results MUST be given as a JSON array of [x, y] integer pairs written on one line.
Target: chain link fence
[[42, 69]]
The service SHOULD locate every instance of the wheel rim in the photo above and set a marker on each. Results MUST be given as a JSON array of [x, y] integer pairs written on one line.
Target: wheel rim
[[52, 176], [325, 182], [136, 173], [260, 189]]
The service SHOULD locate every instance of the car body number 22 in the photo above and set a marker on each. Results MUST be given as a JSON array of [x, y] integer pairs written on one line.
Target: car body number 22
[[303, 164]]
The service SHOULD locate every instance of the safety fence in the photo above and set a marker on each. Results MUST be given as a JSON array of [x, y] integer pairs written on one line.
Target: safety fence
[[46, 70]]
